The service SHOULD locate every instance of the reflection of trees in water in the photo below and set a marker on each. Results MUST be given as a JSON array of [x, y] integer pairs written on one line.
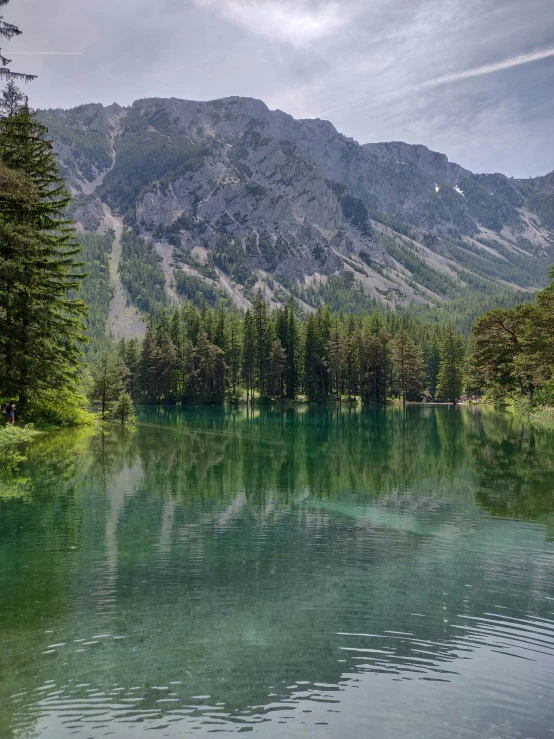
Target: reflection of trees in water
[[52, 477], [223, 556], [320, 452], [514, 469]]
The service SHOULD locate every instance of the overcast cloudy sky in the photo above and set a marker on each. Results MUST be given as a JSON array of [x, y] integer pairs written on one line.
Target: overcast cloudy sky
[[471, 78]]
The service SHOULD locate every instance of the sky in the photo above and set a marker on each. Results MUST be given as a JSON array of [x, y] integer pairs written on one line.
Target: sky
[[473, 79]]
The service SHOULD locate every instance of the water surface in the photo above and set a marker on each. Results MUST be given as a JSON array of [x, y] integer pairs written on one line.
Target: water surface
[[297, 574]]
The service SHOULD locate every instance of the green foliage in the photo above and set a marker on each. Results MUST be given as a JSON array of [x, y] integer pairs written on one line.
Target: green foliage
[[42, 320], [450, 375], [407, 365], [340, 294], [438, 282], [108, 374], [543, 417], [208, 354], [461, 312], [124, 411], [190, 287], [512, 351], [12, 439], [60, 407], [141, 273], [229, 255], [96, 290]]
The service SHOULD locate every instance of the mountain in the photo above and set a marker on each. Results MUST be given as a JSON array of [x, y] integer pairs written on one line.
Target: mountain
[[224, 196]]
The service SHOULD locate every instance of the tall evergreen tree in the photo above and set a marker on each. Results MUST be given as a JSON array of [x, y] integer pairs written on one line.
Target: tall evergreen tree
[[277, 362], [407, 365], [208, 370], [42, 322], [148, 366], [108, 374], [261, 340], [234, 350], [292, 350], [316, 373], [432, 364], [248, 354], [336, 351], [131, 359], [351, 357], [374, 364], [451, 368]]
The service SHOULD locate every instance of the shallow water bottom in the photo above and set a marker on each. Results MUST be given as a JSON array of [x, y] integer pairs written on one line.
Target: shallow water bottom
[[297, 574]]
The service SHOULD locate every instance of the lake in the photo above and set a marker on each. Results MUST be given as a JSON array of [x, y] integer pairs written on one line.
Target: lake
[[304, 573]]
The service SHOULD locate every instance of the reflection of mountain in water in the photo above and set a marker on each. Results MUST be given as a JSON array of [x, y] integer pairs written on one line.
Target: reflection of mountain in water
[[256, 559]]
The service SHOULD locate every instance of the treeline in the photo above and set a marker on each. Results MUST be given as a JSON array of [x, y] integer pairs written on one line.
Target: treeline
[[512, 352], [209, 355]]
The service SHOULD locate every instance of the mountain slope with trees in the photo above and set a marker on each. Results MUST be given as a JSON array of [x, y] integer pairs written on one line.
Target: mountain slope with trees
[[230, 197]]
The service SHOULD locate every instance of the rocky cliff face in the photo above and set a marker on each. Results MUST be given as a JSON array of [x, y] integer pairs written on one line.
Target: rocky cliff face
[[293, 204]]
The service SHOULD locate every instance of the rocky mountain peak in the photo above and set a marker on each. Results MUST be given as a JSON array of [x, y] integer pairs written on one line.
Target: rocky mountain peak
[[257, 195]]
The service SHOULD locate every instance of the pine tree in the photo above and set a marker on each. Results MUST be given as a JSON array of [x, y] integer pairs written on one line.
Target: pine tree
[[351, 357], [432, 364], [167, 366], [315, 368], [407, 365], [292, 350], [131, 359], [336, 351], [42, 322], [9, 31], [450, 377], [234, 350], [219, 331], [261, 340], [108, 375], [374, 358], [369, 366], [248, 354], [123, 410], [208, 370], [179, 338], [148, 366], [277, 362]]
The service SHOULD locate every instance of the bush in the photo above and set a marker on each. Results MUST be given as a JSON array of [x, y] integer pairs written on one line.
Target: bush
[[545, 396], [12, 439], [60, 408]]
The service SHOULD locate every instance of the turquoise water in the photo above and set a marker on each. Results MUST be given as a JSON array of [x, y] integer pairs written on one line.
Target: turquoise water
[[298, 574]]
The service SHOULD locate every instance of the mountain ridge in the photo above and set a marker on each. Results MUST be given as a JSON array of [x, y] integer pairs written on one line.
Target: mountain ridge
[[238, 197]]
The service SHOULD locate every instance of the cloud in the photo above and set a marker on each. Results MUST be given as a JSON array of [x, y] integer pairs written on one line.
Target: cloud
[[298, 22], [513, 61], [379, 69]]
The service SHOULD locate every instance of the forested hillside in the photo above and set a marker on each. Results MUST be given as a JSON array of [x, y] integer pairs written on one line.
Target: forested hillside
[[214, 201]]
